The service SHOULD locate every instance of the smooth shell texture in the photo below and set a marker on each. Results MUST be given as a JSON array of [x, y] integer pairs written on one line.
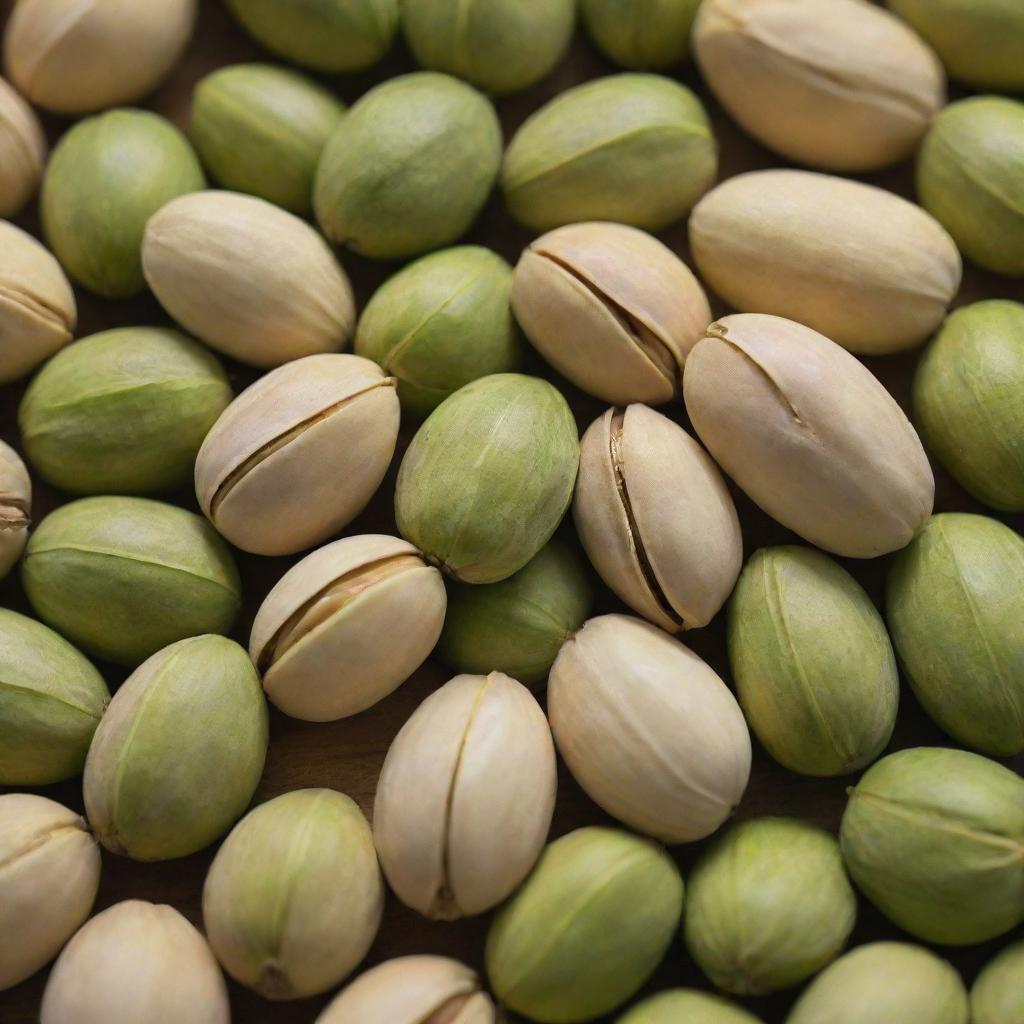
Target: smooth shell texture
[[465, 797], [648, 729], [631, 148], [810, 434], [123, 577], [409, 167], [686, 1006], [641, 34], [22, 151], [935, 839], [997, 996], [611, 308], [863, 266], [15, 507], [49, 874], [346, 626], [520, 437], [251, 280], [587, 928], [294, 897], [299, 453]]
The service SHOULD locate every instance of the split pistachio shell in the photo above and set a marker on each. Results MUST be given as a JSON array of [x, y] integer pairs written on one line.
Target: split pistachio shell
[[465, 797], [641, 34], [935, 839], [656, 518], [606, 904], [294, 897], [49, 874], [251, 280], [297, 455], [22, 151], [997, 996], [863, 266], [346, 626], [687, 1006], [648, 729], [15, 507], [611, 308], [810, 434]]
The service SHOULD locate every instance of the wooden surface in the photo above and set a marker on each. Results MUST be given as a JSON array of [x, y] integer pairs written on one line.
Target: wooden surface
[[347, 755]]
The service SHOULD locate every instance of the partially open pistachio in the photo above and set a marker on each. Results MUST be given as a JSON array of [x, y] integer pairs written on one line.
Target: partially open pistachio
[[15, 507], [22, 151]]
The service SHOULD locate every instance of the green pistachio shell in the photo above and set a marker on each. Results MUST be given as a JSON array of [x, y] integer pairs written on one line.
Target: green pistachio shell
[[631, 148], [642, 34], [105, 179], [935, 839], [997, 996], [409, 167], [587, 928], [488, 477], [686, 1006], [123, 411], [123, 577]]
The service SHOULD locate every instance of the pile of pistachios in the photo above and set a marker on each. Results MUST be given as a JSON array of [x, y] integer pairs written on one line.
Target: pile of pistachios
[[579, 443]]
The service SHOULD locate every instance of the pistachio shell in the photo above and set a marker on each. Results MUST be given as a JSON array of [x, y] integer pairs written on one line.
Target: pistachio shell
[[22, 151], [587, 928], [997, 996], [656, 518], [810, 434], [648, 729], [49, 874], [641, 34], [465, 797], [346, 626], [136, 961], [611, 308], [297, 455], [935, 839], [686, 1006], [294, 897], [123, 577], [863, 266], [15, 507]]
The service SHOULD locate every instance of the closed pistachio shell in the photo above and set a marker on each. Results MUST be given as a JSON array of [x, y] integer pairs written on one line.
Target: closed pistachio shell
[[863, 266], [686, 1006], [641, 34], [810, 434], [656, 518], [648, 729], [22, 151], [465, 797], [611, 308], [49, 874], [346, 626], [997, 995], [15, 507]]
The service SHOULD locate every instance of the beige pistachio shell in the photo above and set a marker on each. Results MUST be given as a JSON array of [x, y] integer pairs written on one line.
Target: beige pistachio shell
[[346, 626], [22, 151], [15, 507], [465, 797], [611, 308]]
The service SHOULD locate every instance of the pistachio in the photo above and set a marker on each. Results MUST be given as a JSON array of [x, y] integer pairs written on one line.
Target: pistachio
[[935, 839], [648, 729], [22, 151], [15, 507], [656, 518], [520, 437], [465, 797], [346, 626], [810, 434], [611, 308], [863, 266], [997, 996], [249, 279], [49, 874], [299, 453], [641, 34], [686, 1005]]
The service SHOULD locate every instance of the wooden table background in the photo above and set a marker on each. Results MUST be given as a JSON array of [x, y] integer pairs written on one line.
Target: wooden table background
[[347, 755]]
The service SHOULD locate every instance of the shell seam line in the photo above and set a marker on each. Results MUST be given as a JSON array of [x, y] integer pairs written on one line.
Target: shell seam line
[[38, 841], [36, 306], [53, 698]]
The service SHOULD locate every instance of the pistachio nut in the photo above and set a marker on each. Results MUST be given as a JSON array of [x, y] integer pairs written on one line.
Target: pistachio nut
[[656, 518], [176, 758], [22, 151], [465, 797], [123, 411], [15, 507], [607, 904], [518, 437], [997, 995], [136, 961], [346, 626], [294, 897], [299, 453], [686, 1006], [409, 167], [631, 148], [863, 266], [440, 323], [123, 577], [935, 839], [611, 308], [49, 874], [641, 34], [811, 662], [810, 434], [251, 280], [648, 729]]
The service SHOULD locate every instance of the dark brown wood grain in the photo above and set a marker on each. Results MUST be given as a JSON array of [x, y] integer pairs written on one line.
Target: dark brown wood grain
[[347, 755]]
